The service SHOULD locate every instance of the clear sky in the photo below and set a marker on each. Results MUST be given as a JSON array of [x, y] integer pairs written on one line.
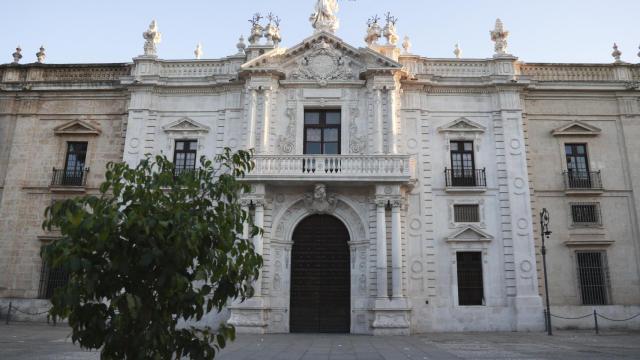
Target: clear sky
[[83, 31]]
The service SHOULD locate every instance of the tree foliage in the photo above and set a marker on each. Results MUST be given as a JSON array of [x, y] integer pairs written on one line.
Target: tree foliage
[[150, 250]]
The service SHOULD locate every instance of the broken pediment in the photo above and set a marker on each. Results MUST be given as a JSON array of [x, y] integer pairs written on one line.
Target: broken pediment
[[469, 234], [186, 125], [576, 128], [322, 57], [462, 125], [76, 127]]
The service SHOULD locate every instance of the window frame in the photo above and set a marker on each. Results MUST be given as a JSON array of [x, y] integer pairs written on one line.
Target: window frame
[[188, 141], [480, 263], [597, 212], [605, 274], [322, 125]]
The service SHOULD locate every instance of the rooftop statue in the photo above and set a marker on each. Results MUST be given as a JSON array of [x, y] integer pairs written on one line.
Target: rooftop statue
[[324, 18]]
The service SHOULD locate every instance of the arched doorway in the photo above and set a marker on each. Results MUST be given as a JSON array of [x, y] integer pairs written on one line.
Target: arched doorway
[[320, 278]]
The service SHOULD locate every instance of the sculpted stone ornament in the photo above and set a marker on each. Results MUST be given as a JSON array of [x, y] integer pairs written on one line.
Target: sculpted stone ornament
[[152, 38], [40, 55], [374, 32], [323, 63], [499, 35], [324, 17], [457, 51], [287, 143], [389, 30], [198, 51], [17, 55], [272, 31], [357, 144], [406, 45], [319, 202], [256, 29], [616, 53], [241, 45]]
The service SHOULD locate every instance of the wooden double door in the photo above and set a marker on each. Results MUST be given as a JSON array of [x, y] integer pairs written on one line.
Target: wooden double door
[[320, 276]]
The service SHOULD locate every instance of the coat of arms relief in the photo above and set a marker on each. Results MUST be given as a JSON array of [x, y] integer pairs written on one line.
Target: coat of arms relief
[[323, 63]]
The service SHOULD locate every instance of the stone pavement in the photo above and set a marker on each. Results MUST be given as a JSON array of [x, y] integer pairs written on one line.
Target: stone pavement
[[38, 341]]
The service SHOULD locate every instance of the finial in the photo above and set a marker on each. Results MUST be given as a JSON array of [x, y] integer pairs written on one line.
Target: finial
[[324, 17], [406, 45], [457, 51], [152, 38], [40, 55], [241, 45], [17, 55], [198, 51], [389, 30], [272, 30], [616, 53], [256, 29], [374, 32], [499, 35]]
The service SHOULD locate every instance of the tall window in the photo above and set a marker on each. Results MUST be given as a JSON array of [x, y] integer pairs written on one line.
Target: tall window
[[184, 157], [593, 275], [322, 132], [470, 285], [462, 164], [577, 165], [74, 164], [50, 280]]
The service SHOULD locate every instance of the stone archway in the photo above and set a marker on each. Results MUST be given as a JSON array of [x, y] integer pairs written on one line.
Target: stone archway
[[320, 276]]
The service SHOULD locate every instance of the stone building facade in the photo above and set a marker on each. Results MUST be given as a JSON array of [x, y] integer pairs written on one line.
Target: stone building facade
[[398, 193]]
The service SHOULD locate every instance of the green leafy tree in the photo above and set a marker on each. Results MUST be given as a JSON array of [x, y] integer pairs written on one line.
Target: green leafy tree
[[153, 249]]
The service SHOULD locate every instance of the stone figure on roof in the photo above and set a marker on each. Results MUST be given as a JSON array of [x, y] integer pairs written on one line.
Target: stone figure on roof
[[324, 18]]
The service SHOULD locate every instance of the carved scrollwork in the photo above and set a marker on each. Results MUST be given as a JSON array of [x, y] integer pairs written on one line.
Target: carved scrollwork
[[323, 63], [287, 142], [357, 144]]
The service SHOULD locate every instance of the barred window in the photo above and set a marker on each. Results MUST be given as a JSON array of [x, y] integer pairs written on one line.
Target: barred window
[[593, 274], [51, 279], [585, 213], [466, 213], [470, 285]]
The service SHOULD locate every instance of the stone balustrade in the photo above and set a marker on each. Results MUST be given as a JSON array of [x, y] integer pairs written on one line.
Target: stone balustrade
[[199, 68], [76, 73], [378, 168], [569, 72]]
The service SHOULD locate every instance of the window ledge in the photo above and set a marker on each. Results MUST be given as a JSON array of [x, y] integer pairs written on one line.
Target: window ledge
[[584, 191], [67, 189], [465, 189]]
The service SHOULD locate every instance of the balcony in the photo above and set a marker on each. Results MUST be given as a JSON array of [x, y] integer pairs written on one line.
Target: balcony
[[69, 179], [333, 168], [465, 180], [582, 182]]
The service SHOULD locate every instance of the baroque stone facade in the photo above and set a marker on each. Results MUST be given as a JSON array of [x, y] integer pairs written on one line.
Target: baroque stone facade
[[441, 168]]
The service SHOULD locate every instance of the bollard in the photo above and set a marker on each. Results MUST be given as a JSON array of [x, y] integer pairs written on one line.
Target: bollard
[[8, 314], [595, 320]]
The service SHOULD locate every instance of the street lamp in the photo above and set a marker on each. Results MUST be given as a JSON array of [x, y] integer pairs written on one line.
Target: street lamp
[[544, 233]]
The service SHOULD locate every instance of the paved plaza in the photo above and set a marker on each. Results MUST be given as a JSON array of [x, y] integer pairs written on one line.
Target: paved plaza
[[39, 341]]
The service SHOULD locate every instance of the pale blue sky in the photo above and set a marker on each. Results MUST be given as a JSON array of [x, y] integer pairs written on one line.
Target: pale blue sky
[[81, 31]]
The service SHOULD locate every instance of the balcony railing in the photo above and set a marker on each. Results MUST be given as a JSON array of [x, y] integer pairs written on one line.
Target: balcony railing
[[183, 170], [582, 180], [333, 167], [465, 178], [69, 177]]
